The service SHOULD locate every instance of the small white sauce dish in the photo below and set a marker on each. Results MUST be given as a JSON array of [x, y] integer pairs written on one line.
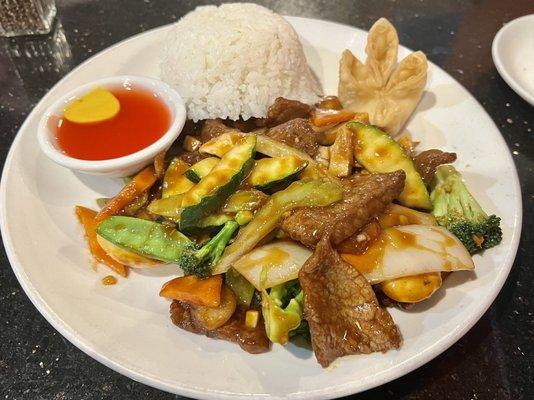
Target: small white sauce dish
[[513, 55], [122, 166]]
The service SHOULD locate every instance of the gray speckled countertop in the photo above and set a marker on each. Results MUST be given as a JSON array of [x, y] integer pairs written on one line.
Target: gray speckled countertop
[[494, 360]]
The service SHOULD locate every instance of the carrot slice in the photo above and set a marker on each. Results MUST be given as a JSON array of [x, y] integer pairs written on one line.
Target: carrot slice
[[87, 219], [139, 184], [191, 289], [323, 117]]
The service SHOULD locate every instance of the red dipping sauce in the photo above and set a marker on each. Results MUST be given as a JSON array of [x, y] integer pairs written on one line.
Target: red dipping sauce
[[143, 119]]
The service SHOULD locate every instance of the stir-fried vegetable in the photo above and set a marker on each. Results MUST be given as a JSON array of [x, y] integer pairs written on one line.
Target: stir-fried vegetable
[[378, 152], [215, 188], [457, 210], [272, 174], [147, 238], [170, 207], [87, 219], [215, 317], [191, 289], [323, 117], [220, 145], [312, 193], [125, 257], [342, 154], [412, 289], [245, 200], [410, 250], [139, 185], [281, 261], [174, 181], [240, 286], [283, 310], [202, 168]]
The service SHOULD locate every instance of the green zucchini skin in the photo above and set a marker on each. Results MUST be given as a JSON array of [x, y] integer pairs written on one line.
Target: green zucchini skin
[[273, 174], [202, 168], [378, 152], [147, 238], [209, 225], [207, 204]]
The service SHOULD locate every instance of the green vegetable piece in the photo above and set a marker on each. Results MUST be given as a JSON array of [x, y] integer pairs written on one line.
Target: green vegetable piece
[[272, 174], [213, 190], [201, 169], [170, 207], [283, 311], [376, 151], [245, 200], [201, 262], [210, 224], [313, 193], [153, 240], [145, 238], [242, 288], [244, 217], [174, 181], [456, 209]]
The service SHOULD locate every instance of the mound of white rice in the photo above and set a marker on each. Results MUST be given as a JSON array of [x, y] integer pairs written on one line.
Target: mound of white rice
[[234, 60]]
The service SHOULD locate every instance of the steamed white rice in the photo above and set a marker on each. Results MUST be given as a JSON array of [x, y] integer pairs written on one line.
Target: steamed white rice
[[234, 60]]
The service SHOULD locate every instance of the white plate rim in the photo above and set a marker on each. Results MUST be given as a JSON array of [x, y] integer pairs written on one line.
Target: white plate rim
[[503, 72], [341, 390]]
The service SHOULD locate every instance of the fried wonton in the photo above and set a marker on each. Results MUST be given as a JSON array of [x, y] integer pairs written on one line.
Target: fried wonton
[[387, 94]]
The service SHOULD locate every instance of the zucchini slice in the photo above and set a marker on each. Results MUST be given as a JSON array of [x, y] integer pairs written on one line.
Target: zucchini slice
[[376, 151], [245, 200], [210, 224], [174, 181], [213, 190], [170, 207], [201, 169], [272, 174], [220, 145]]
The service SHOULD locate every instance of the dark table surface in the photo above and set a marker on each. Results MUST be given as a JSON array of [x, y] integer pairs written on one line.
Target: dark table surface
[[493, 361]]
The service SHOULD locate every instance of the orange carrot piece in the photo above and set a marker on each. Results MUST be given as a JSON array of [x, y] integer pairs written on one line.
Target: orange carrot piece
[[87, 219], [323, 117], [191, 289], [139, 184]]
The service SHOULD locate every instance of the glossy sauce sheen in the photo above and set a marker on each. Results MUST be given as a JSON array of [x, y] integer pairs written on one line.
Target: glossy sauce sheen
[[141, 121]]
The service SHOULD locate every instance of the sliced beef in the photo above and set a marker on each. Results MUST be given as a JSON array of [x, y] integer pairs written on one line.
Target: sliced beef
[[428, 161], [251, 340], [296, 133], [192, 157], [213, 128], [341, 308], [284, 110], [365, 196]]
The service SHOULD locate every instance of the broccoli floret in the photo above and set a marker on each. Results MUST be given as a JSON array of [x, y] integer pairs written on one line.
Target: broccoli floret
[[457, 210], [200, 262], [283, 310]]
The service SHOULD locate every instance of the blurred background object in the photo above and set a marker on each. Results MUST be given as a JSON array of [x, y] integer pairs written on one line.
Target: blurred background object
[[26, 17]]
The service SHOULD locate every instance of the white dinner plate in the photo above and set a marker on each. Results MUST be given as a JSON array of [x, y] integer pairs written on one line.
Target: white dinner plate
[[127, 326]]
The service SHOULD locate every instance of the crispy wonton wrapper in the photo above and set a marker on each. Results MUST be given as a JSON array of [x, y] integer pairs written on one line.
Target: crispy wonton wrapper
[[387, 94]]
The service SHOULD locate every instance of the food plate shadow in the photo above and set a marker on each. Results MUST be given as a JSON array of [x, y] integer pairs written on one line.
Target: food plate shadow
[[107, 187]]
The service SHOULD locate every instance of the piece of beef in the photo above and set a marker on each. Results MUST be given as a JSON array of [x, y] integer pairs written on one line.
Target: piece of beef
[[251, 340], [192, 157], [284, 110], [296, 133], [364, 197], [213, 128], [341, 308], [428, 161]]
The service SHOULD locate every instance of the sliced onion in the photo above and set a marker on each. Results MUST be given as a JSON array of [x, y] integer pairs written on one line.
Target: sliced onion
[[282, 260], [411, 250]]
